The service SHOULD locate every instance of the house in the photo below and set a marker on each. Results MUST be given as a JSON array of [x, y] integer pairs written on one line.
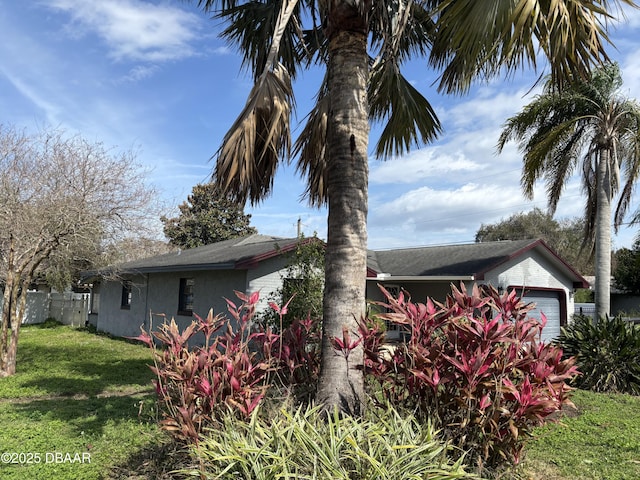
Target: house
[[185, 282], [529, 266], [193, 281]]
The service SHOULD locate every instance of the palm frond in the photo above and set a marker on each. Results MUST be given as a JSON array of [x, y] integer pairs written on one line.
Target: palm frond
[[401, 28], [310, 148], [259, 28], [480, 39], [629, 148], [259, 138], [589, 187], [546, 133], [562, 160], [410, 119]]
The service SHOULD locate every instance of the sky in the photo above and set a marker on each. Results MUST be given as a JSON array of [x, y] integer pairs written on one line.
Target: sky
[[153, 77]]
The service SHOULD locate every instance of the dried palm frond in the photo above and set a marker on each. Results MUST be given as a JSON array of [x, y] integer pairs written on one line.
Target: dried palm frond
[[261, 135], [310, 147], [259, 138]]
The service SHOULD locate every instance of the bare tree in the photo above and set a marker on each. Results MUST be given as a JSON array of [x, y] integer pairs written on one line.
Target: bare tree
[[62, 198], [133, 248]]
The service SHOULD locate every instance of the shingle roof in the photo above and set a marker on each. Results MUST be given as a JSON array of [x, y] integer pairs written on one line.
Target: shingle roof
[[238, 253], [455, 260], [439, 261]]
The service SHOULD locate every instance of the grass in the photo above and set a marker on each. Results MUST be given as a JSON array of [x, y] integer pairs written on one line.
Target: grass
[[79, 394], [601, 442]]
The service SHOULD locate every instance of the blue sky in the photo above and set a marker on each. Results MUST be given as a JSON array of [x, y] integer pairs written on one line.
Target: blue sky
[[153, 77]]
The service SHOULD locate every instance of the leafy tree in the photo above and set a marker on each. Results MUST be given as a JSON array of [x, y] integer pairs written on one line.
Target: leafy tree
[[362, 44], [208, 216], [627, 268], [62, 198], [587, 125], [302, 285], [565, 237]]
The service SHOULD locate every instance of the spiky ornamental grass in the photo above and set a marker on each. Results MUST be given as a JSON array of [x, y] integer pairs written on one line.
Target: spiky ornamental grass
[[307, 443]]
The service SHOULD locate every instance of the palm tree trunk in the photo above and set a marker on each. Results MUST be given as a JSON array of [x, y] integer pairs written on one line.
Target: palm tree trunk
[[341, 382], [603, 236]]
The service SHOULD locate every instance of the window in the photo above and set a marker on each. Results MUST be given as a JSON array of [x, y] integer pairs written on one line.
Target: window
[[396, 332], [185, 298], [394, 290], [125, 301]]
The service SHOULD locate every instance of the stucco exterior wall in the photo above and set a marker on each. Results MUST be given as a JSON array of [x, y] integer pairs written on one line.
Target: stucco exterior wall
[[115, 320], [155, 296], [266, 278], [531, 269], [535, 271], [538, 273]]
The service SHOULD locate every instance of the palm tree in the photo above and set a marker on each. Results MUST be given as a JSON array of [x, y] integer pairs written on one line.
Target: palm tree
[[587, 124], [362, 44]]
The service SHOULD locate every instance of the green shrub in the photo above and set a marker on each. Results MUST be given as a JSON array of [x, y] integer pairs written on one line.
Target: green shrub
[[307, 444], [607, 354]]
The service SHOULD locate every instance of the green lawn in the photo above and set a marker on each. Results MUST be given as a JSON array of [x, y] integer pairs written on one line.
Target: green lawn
[[601, 443], [77, 397], [72, 409]]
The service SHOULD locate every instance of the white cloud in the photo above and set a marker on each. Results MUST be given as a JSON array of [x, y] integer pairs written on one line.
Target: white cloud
[[422, 164], [139, 72], [428, 208], [134, 29], [35, 95], [630, 66], [630, 17], [224, 50], [490, 106]]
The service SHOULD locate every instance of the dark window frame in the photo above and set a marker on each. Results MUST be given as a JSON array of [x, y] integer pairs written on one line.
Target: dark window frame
[[185, 296], [126, 296]]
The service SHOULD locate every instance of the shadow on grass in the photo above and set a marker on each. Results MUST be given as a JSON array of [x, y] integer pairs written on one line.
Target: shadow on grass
[[91, 378], [83, 366], [87, 416], [161, 461]]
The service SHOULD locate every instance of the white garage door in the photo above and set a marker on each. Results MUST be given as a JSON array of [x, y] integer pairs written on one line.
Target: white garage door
[[547, 302]]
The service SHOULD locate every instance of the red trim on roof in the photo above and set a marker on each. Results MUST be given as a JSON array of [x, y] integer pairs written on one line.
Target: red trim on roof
[[581, 283]]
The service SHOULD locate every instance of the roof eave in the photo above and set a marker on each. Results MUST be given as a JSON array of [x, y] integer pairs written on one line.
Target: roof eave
[[159, 269], [422, 278]]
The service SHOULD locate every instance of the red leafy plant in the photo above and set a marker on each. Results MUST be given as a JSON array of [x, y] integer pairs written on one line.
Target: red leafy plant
[[229, 366], [475, 364]]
